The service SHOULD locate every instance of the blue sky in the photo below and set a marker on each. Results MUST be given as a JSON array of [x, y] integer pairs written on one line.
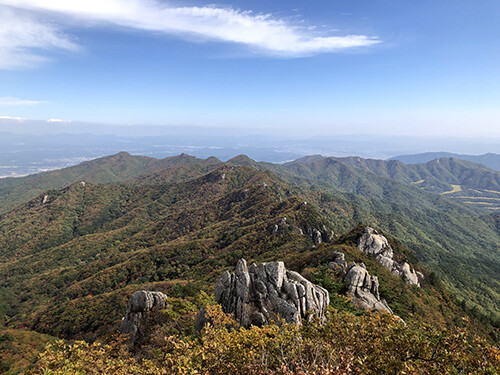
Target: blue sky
[[313, 67]]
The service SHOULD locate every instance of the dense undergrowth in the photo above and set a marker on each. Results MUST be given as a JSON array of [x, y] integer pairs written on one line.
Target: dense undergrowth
[[346, 344]]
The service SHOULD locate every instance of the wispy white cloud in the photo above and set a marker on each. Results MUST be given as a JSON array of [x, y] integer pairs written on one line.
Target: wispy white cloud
[[58, 120], [12, 118], [23, 37], [7, 101], [260, 32]]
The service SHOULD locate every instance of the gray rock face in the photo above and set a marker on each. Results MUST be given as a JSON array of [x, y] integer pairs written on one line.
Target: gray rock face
[[363, 289], [262, 293], [338, 263], [371, 242], [409, 274], [139, 304]]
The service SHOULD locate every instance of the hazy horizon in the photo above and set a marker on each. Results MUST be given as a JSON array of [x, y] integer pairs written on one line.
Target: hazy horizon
[[26, 147]]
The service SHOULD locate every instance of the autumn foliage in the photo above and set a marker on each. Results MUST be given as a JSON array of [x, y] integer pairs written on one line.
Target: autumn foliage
[[346, 344]]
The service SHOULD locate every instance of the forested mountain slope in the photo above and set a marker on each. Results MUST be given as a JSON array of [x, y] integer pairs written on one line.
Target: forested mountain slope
[[468, 182], [456, 240], [110, 169], [88, 242], [70, 256]]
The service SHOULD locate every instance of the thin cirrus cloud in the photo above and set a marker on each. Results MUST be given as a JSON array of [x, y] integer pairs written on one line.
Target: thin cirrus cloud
[[260, 32], [22, 37]]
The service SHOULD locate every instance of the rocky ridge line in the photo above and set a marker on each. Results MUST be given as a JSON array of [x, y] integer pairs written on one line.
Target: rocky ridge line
[[371, 242]]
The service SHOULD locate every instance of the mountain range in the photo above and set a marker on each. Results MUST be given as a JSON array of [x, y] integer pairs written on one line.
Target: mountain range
[[76, 242], [490, 160]]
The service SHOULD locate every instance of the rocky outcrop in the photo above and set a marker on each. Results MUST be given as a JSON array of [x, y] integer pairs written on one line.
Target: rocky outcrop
[[338, 263], [315, 235], [263, 293], [281, 227], [371, 242], [363, 289], [318, 236], [139, 304]]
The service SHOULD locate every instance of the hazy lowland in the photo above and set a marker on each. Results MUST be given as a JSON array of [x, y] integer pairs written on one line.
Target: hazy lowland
[[34, 146]]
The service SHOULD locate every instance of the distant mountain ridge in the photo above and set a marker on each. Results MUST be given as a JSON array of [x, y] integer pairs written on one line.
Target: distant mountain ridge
[[471, 183], [116, 168], [491, 160]]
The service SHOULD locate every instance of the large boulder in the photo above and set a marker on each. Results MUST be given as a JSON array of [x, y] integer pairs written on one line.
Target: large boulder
[[363, 289], [139, 305], [263, 293], [371, 242]]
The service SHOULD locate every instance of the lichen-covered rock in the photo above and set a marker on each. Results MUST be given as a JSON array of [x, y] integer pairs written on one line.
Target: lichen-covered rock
[[263, 293], [371, 242], [420, 277], [139, 304], [363, 289]]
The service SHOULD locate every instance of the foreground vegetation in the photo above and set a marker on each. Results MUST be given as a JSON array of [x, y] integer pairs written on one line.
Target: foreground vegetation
[[346, 344]]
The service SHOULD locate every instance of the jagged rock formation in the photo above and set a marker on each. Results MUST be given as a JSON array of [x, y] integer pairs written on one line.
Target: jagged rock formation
[[139, 304], [371, 242], [317, 236], [260, 294], [363, 289]]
